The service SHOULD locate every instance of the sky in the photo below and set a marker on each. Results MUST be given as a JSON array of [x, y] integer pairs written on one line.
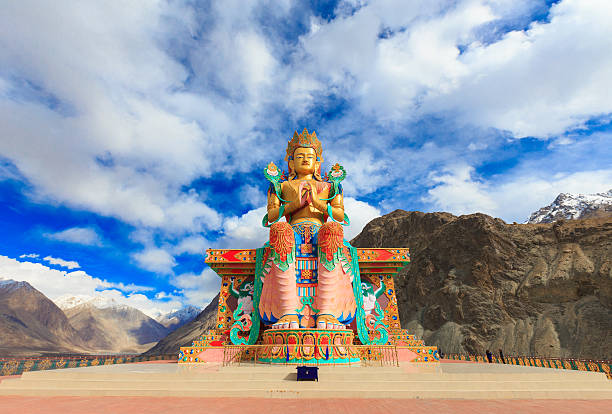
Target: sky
[[133, 134]]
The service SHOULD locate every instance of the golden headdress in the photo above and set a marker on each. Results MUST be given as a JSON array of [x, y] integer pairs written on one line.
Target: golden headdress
[[304, 140]]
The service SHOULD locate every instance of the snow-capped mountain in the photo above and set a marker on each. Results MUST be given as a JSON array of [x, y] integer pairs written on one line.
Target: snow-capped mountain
[[68, 301], [574, 206], [10, 284], [180, 317]]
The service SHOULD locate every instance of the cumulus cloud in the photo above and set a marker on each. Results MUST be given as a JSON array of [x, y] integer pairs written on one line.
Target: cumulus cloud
[[121, 111], [198, 289], [195, 245], [246, 231], [79, 235], [459, 191], [61, 262], [29, 256], [54, 283], [117, 149], [360, 213], [407, 63], [155, 260]]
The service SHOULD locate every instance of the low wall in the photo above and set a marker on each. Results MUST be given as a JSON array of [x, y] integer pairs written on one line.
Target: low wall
[[560, 363], [17, 366]]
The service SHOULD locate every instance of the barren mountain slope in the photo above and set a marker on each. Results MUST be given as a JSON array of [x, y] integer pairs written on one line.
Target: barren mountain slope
[[477, 283], [120, 329], [184, 335], [31, 324]]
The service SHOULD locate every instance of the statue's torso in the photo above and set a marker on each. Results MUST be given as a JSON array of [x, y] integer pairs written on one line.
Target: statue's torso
[[290, 192]]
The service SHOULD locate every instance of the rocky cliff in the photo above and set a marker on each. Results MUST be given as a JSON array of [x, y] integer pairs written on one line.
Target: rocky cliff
[[184, 335], [477, 283]]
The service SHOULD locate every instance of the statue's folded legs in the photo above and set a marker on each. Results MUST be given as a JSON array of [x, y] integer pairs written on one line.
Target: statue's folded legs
[[296, 289]]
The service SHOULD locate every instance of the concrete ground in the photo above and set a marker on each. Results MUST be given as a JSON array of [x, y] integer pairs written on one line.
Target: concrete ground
[[190, 405], [479, 388]]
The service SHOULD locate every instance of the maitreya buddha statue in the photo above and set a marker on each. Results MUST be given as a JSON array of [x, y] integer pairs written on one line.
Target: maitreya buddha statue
[[307, 280]]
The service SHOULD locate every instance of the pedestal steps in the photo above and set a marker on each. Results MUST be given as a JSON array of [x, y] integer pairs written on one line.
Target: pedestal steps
[[478, 382]]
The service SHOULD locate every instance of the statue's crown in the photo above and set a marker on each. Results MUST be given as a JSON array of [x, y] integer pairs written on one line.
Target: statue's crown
[[304, 140]]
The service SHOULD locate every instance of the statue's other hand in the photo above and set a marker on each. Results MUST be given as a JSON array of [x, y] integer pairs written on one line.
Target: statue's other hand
[[304, 191], [316, 201]]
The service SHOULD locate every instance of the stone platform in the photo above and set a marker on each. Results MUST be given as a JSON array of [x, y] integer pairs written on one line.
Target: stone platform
[[411, 380]]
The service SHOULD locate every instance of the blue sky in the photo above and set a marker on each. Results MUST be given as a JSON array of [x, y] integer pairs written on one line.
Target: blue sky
[[133, 137]]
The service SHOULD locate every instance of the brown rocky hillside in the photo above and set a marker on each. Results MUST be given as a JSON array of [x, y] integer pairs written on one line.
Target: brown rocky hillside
[[477, 283], [184, 335], [118, 329], [32, 325]]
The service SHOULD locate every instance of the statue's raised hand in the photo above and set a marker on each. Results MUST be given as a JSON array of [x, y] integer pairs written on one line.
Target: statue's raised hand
[[304, 192], [316, 201]]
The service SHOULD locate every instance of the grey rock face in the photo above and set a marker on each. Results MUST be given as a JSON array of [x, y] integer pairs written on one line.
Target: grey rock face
[[477, 283]]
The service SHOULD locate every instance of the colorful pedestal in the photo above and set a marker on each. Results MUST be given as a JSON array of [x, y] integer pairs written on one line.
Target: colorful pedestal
[[307, 346], [377, 267]]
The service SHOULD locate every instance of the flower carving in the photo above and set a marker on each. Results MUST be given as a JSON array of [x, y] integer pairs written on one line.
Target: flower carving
[[272, 170]]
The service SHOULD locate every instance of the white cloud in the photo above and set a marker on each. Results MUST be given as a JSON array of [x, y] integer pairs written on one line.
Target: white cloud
[[542, 81], [80, 235], [360, 213], [251, 196], [155, 260], [457, 190], [61, 262], [29, 256], [198, 289], [246, 231], [195, 245], [171, 94], [102, 132], [56, 283], [537, 82]]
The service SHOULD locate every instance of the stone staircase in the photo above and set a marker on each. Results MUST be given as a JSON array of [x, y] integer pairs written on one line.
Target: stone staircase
[[445, 380]]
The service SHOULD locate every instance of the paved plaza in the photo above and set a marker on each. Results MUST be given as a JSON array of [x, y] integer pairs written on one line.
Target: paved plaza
[[167, 387]]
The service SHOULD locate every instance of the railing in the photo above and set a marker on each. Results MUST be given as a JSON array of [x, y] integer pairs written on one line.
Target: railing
[[288, 354], [604, 366], [17, 366]]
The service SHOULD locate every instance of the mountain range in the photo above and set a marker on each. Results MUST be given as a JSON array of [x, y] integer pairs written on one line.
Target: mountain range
[[31, 324], [177, 318]]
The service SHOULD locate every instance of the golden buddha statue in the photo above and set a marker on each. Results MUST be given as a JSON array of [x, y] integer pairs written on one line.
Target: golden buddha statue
[[308, 273]]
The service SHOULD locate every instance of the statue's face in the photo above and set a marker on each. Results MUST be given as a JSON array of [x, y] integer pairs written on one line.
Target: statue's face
[[304, 160]]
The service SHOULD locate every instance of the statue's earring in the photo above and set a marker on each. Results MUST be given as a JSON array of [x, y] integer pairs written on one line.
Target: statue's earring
[[291, 168]]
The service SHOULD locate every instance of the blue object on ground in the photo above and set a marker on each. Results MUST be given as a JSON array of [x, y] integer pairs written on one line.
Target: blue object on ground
[[306, 372]]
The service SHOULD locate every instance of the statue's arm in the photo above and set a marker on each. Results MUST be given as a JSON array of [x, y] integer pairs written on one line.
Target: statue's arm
[[337, 207], [337, 204], [274, 205]]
